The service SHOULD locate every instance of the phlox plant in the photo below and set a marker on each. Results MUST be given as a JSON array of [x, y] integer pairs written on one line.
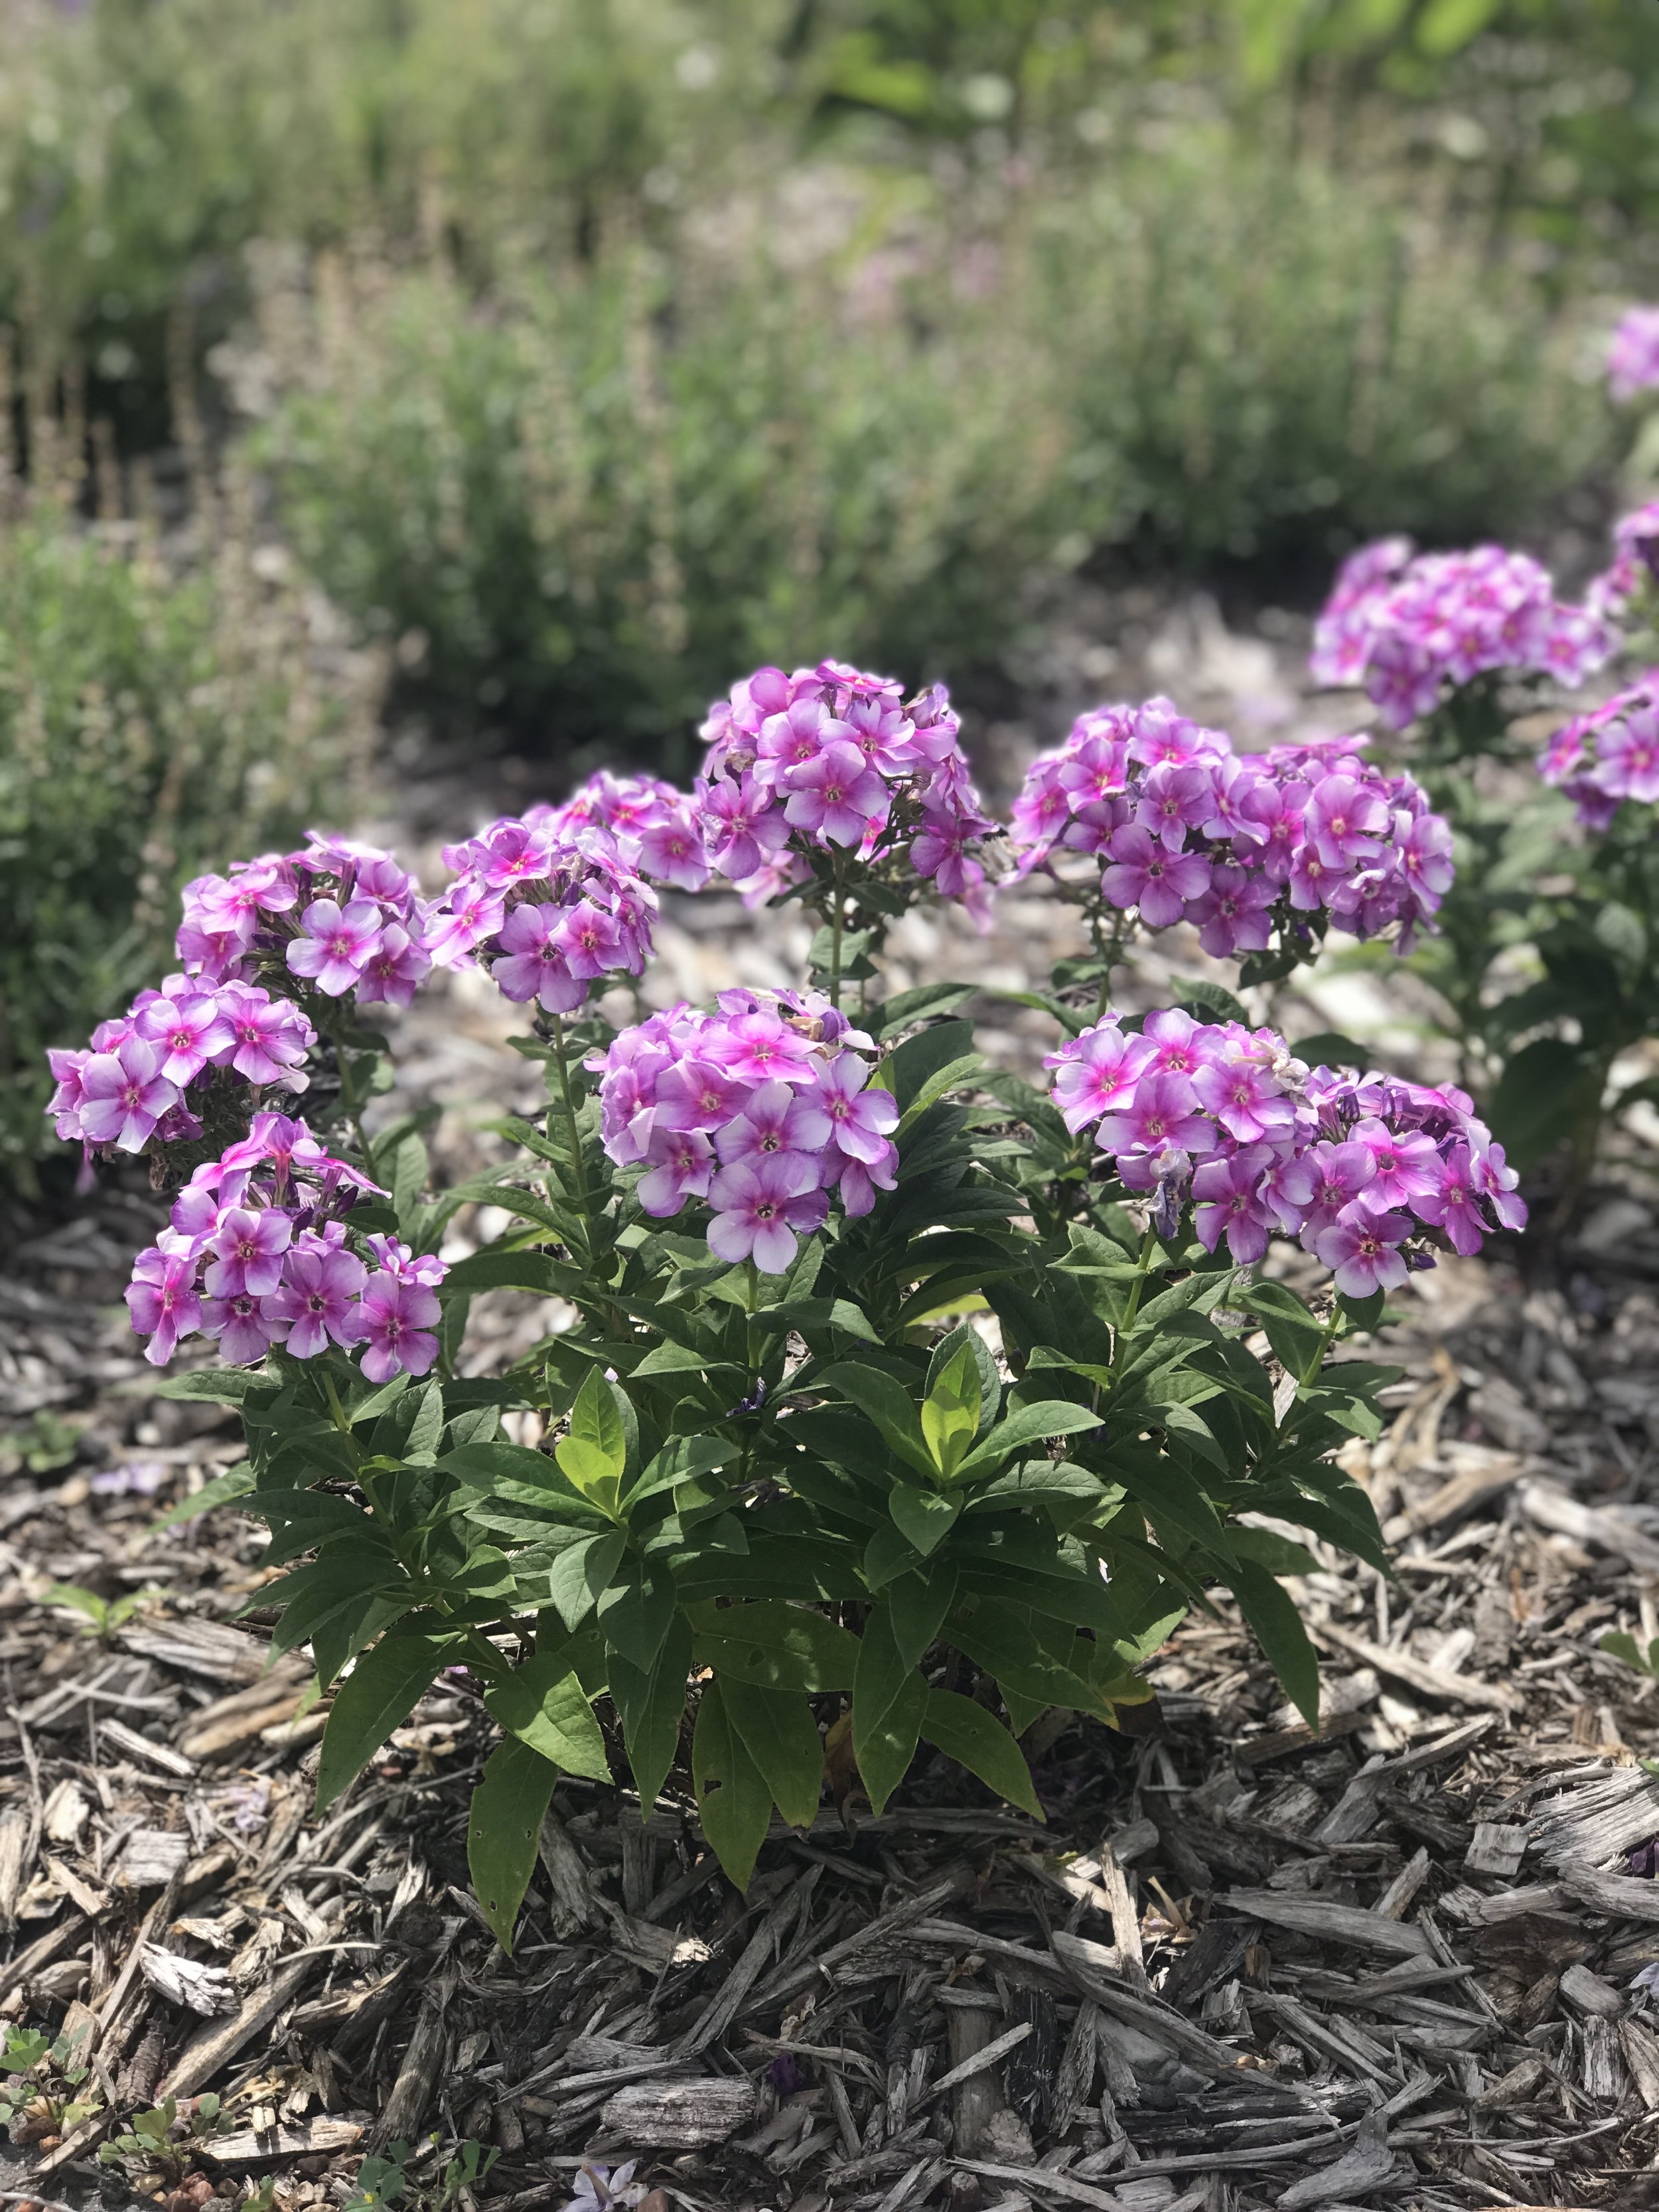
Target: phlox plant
[[1545, 961], [905, 1400]]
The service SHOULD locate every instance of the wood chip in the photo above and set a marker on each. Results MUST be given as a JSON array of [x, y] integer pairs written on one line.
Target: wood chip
[[1331, 1922], [679, 2115]]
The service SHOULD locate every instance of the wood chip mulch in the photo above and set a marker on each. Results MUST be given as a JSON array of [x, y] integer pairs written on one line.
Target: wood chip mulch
[[1396, 1964]]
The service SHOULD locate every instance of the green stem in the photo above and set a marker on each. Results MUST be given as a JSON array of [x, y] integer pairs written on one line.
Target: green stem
[[836, 923], [579, 1166], [353, 1105], [1107, 953], [1148, 1246]]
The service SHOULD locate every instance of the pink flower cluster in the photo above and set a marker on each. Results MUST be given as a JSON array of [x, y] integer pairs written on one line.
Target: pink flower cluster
[[341, 916], [256, 1254], [1609, 754], [1366, 1170], [147, 1074], [1633, 354], [549, 902], [654, 826], [829, 759], [1405, 627], [1634, 567], [1238, 844], [763, 1109]]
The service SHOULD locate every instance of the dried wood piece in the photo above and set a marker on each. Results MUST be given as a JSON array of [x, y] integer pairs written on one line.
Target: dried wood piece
[[1125, 1920], [1548, 1506], [212, 2047], [1332, 1923], [150, 1857], [679, 2115], [1597, 1819], [229, 1723], [1627, 1897], [1641, 2048], [140, 1747], [1472, 1486], [1431, 1681], [202, 1989], [314, 2136], [211, 1647], [1588, 1993], [1354, 1815], [1089, 1965], [17, 1842], [977, 2094], [762, 1947], [1498, 1848], [92, 1901], [1368, 2165], [411, 2092], [15, 1971], [1397, 1899], [914, 1909], [1511, 2089], [1602, 2075], [574, 1904]]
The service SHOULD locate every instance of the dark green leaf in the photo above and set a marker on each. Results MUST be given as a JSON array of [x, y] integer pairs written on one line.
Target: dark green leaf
[[777, 1730], [733, 1801], [378, 1695], [978, 1740], [504, 1825]]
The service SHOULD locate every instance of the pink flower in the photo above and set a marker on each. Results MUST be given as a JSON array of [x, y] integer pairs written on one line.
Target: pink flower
[[1345, 820], [271, 1035], [187, 1031], [317, 1298], [591, 939], [757, 1208], [534, 965], [1100, 1076], [1633, 354], [1362, 1247], [247, 1249], [698, 1095], [1147, 875], [245, 1326], [742, 829], [1407, 1167], [397, 1319], [681, 1165], [856, 1118], [835, 795], [1163, 1116], [672, 852], [1245, 1098], [1229, 1201], [1233, 912], [394, 971], [162, 1300], [337, 944], [774, 1121], [1455, 1207], [123, 1097]]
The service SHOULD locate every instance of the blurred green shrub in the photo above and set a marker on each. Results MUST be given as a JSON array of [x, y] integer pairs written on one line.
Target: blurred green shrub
[[1279, 357], [144, 143], [591, 502], [153, 724]]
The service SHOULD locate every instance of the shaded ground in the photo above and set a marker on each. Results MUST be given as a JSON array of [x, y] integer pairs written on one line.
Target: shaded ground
[[1239, 1966]]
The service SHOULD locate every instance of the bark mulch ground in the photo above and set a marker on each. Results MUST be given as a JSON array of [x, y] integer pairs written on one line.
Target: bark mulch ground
[[1241, 1965]]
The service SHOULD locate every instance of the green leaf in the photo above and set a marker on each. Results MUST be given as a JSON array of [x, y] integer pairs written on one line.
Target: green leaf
[[929, 1052], [581, 1574], [1279, 1555], [1548, 1089], [949, 1415], [884, 1747], [219, 1386], [1278, 1628], [924, 1517], [652, 1705], [1333, 1049], [883, 1397], [777, 1646], [543, 1703], [300, 1520], [377, 1696], [235, 1482], [504, 1825], [917, 1603], [978, 1740], [595, 1452], [733, 1801], [779, 1733], [1027, 1425], [906, 1007]]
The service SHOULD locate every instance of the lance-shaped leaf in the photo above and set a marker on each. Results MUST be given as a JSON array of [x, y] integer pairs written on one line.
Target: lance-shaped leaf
[[888, 1404], [651, 1701], [776, 1647], [504, 1826], [1026, 1425], [779, 1735], [733, 1801], [950, 1414], [378, 1695], [595, 1452], [977, 1739], [543, 1703]]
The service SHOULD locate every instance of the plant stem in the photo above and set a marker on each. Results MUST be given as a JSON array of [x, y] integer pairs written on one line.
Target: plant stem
[[836, 923], [578, 1164], [350, 1100], [1148, 1246]]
